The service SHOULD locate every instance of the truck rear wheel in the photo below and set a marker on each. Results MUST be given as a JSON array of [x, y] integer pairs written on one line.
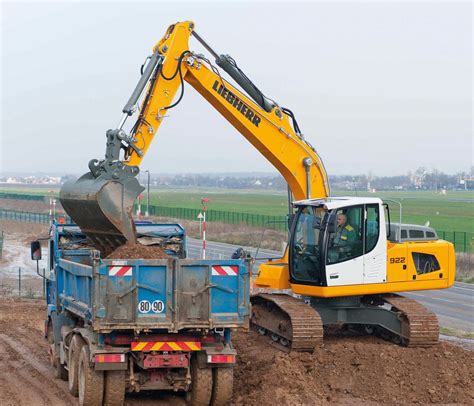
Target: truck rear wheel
[[201, 385], [74, 352], [114, 388], [222, 388], [91, 382]]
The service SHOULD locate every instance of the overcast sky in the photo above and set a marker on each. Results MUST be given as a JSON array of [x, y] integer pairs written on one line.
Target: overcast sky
[[383, 87]]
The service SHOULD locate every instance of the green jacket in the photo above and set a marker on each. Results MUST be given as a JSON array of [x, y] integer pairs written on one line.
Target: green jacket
[[344, 237]]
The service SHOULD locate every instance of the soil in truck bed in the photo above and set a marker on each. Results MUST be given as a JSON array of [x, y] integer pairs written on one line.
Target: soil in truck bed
[[138, 251]]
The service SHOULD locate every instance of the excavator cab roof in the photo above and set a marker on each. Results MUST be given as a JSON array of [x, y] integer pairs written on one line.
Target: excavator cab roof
[[338, 202]]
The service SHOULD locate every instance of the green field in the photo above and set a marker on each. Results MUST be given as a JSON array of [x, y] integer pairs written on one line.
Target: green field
[[451, 212]]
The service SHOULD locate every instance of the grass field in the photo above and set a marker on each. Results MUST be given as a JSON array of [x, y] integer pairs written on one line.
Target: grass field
[[451, 212]]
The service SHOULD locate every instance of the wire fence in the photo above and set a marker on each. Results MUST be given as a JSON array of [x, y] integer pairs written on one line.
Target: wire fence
[[227, 217], [463, 240], [22, 283], [42, 218]]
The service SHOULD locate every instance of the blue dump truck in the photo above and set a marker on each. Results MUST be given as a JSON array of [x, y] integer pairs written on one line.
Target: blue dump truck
[[126, 325]]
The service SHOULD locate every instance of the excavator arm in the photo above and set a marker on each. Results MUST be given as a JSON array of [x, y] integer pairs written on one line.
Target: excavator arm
[[270, 132], [100, 202]]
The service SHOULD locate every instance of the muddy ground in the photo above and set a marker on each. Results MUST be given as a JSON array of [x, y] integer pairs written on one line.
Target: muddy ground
[[349, 370]]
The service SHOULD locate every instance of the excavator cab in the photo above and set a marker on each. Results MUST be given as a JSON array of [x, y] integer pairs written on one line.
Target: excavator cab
[[334, 241]]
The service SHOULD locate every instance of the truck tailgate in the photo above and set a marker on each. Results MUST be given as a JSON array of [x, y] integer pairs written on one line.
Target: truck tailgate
[[170, 294]]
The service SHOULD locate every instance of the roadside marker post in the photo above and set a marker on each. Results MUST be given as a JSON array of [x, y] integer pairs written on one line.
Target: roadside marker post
[[200, 217]]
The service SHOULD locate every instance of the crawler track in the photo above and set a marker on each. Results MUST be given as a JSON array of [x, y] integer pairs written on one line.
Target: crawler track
[[288, 318], [420, 326]]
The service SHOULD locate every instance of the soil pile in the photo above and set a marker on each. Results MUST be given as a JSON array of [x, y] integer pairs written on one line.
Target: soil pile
[[356, 368], [138, 251]]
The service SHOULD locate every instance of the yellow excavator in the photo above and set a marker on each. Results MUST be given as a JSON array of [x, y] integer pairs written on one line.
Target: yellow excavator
[[345, 259]]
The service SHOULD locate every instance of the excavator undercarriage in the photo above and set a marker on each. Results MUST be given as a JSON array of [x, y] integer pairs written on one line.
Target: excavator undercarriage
[[298, 325]]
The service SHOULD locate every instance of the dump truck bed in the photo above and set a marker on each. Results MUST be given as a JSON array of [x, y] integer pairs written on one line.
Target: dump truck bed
[[167, 294]]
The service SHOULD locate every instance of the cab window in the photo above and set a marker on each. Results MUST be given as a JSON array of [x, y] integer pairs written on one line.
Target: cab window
[[346, 242], [305, 249]]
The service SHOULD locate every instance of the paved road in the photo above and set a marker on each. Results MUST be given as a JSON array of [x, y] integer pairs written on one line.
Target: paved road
[[454, 306], [220, 250]]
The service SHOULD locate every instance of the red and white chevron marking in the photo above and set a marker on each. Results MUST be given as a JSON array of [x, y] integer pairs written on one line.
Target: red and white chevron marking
[[120, 271], [225, 270]]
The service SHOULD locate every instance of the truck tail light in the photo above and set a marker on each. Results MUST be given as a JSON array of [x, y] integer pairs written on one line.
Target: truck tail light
[[221, 359], [102, 358]]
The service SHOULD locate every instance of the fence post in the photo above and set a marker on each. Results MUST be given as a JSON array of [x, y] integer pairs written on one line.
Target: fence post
[[44, 283], [465, 242], [19, 281]]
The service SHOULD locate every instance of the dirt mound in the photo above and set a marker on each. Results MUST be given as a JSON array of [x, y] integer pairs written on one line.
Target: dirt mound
[[138, 251], [366, 369]]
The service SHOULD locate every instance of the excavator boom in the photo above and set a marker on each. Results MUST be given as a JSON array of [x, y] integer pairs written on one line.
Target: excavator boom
[[101, 201]]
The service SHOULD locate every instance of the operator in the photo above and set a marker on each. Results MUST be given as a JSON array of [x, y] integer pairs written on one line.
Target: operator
[[343, 240]]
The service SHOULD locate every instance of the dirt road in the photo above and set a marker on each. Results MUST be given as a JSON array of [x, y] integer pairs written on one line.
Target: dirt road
[[348, 370]]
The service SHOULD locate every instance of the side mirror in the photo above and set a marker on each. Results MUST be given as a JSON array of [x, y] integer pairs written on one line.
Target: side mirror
[[332, 224], [317, 222], [35, 250]]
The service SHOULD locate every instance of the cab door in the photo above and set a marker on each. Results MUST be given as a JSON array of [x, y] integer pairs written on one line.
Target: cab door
[[375, 246], [344, 259]]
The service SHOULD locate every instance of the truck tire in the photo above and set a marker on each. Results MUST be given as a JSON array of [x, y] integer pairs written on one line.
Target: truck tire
[[223, 385], [114, 388], [73, 365], [91, 382], [201, 385]]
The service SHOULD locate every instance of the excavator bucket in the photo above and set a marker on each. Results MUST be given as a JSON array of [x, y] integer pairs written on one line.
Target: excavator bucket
[[102, 208]]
